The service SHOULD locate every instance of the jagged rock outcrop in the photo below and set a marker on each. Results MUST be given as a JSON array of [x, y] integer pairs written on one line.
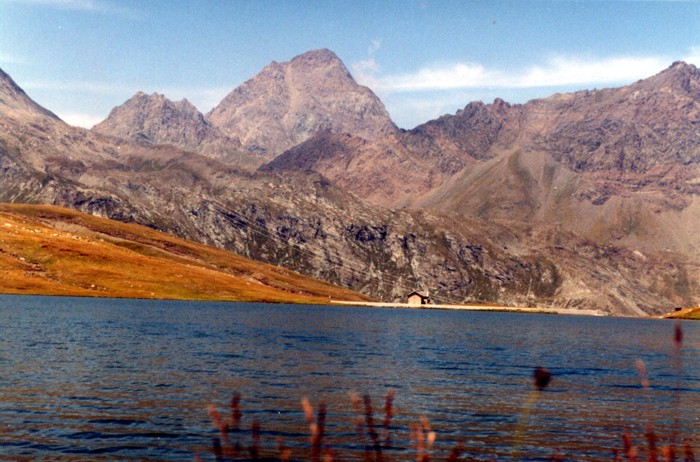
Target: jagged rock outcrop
[[154, 119], [288, 103]]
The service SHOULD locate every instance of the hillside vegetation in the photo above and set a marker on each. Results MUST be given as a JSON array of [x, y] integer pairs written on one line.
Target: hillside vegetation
[[46, 250], [688, 313]]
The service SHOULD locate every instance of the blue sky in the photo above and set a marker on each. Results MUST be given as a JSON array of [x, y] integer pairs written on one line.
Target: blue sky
[[80, 58]]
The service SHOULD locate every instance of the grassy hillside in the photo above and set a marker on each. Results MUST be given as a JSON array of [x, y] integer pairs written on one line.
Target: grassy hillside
[[47, 250], [688, 313]]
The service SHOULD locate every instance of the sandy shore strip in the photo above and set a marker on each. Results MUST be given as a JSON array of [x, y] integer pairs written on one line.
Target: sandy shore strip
[[474, 308]]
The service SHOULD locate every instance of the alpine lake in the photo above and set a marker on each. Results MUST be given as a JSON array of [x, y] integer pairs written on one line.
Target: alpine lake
[[114, 379]]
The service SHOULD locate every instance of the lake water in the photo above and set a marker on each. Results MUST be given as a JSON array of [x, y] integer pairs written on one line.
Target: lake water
[[91, 379]]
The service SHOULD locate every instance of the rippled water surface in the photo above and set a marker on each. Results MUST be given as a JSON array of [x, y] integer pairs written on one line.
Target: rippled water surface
[[90, 379]]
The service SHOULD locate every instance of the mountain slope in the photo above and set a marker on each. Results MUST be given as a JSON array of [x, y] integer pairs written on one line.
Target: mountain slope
[[53, 251], [287, 103], [304, 222], [617, 165], [15, 102]]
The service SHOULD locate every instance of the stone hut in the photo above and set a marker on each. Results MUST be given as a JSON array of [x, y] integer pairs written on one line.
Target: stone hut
[[418, 298]]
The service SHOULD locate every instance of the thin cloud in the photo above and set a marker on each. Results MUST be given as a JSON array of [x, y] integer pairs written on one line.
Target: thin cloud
[[563, 71], [462, 75], [365, 70], [100, 88], [87, 6], [556, 72], [78, 119], [374, 47], [11, 59]]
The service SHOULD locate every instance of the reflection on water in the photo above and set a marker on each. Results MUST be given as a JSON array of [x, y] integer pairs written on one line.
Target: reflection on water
[[88, 379]]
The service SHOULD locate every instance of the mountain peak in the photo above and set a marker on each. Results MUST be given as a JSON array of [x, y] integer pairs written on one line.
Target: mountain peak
[[156, 119], [320, 55], [682, 65], [680, 77], [289, 102]]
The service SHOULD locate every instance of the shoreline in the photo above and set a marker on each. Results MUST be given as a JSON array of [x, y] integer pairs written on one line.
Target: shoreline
[[516, 309]]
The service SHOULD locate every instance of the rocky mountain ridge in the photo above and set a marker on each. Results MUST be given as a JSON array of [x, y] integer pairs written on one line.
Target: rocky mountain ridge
[[311, 223], [283, 105], [617, 165]]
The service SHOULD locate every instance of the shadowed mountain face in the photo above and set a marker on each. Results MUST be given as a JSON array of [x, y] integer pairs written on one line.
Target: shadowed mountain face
[[501, 211]]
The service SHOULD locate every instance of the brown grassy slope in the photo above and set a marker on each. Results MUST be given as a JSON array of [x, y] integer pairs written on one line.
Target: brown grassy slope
[[48, 250], [688, 313]]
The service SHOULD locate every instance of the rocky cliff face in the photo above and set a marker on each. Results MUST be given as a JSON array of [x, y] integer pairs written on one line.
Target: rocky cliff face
[[287, 103]]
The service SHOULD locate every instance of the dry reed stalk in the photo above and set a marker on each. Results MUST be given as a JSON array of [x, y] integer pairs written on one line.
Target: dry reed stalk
[[678, 371], [630, 451], [416, 435], [431, 436], [359, 420], [643, 376], [669, 453], [456, 452], [223, 442], [424, 438], [651, 442], [388, 415], [235, 411], [371, 429], [329, 455], [320, 426], [284, 452], [316, 427], [689, 456], [254, 448]]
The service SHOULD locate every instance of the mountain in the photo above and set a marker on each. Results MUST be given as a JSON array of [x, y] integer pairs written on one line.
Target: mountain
[[54, 251], [289, 102], [615, 165], [383, 172], [154, 119], [619, 165], [319, 226]]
